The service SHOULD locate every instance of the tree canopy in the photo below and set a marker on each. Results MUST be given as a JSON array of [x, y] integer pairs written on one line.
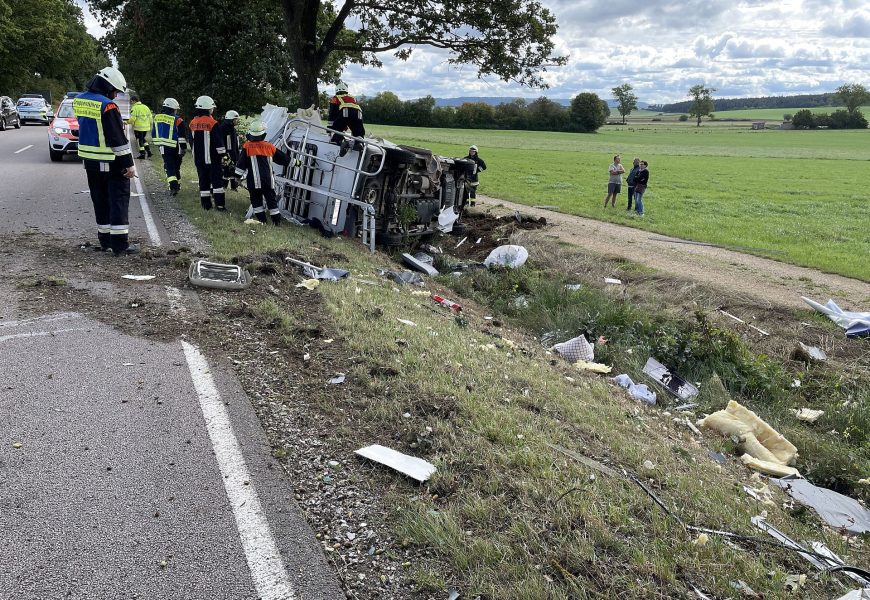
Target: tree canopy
[[229, 50], [588, 112], [44, 45], [626, 100], [702, 101], [853, 96]]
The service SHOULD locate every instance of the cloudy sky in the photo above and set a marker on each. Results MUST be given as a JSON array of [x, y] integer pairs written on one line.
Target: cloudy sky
[[663, 47]]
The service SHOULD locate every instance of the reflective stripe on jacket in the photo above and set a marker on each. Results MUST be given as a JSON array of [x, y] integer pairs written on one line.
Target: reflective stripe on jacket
[[205, 146], [140, 117], [101, 131], [255, 163]]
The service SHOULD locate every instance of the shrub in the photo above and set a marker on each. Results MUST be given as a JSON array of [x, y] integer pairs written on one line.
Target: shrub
[[787, 117], [684, 117], [803, 119]]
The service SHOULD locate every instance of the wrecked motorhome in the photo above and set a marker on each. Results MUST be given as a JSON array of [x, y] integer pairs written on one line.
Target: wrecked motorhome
[[364, 188]]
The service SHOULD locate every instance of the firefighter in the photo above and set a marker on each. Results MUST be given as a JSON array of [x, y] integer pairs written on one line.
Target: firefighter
[[226, 129], [208, 152], [140, 119], [107, 157], [255, 163], [344, 113], [473, 171], [169, 134]]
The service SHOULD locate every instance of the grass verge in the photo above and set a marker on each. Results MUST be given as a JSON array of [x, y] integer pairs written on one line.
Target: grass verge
[[506, 516]]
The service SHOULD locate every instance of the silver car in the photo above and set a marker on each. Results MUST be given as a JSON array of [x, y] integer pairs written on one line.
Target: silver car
[[35, 109]]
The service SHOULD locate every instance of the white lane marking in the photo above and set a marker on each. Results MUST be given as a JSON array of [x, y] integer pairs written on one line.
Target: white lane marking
[[267, 568], [29, 334], [23, 149], [43, 319], [150, 225]]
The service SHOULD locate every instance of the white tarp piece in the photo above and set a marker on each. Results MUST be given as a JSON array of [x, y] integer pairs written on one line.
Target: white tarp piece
[[415, 468], [856, 324], [274, 118], [837, 510], [675, 384], [575, 349], [507, 256], [446, 218], [638, 391]]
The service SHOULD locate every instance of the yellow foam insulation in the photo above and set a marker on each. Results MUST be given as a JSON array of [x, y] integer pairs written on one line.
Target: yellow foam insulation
[[765, 449]]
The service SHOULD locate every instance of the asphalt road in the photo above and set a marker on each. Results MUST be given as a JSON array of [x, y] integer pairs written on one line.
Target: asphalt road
[[129, 468]]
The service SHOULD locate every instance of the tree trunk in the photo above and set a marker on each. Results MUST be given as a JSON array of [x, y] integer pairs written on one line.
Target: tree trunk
[[301, 21], [699, 120], [306, 74]]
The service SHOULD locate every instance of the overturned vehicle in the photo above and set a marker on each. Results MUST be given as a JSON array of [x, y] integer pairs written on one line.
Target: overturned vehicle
[[364, 188]]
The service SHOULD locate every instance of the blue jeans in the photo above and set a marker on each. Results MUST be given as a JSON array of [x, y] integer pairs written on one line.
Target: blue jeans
[[638, 202]]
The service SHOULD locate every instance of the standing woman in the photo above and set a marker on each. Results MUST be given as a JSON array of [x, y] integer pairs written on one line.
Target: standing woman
[[641, 180]]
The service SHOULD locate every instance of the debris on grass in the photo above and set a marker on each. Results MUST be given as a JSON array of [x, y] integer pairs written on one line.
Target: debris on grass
[[415, 468], [808, 415], [764, 448], [510, 256], [809, 353], [421, 262], [454, 306], [407, 322], [138, 277], [308, 284], [575, 349], [403, 277], [673, 383], [339, 378], [837, 510], [612, 281], [585, 365], [856, 324], [739, 320], [219, 276], [638, 391]]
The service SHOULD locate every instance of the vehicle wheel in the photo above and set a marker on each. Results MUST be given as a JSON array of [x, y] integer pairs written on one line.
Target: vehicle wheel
[[2, 124], [55, 155], [458, 228], [18, 124]]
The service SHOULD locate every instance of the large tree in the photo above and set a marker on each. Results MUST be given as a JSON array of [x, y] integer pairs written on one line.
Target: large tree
[[588, 112], [229, 49], [626, 101], [511, 39], [45, 45], [853, 96], [702, 101]]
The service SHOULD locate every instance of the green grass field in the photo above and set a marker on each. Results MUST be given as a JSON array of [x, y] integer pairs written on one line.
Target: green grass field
[[796, 196]]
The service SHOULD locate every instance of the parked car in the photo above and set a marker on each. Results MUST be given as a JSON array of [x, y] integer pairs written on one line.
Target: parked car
[[70, 95], [63, 135], [35, 109], [8, 114]]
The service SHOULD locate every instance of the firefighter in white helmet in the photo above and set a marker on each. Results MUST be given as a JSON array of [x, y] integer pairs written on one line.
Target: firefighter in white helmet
[[169, 134], [473, 172], [107, 157], [226, 130], [208, 152], [344, 113], [255, 163]]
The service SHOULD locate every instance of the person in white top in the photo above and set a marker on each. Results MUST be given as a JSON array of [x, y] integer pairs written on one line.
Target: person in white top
[[614, 184]]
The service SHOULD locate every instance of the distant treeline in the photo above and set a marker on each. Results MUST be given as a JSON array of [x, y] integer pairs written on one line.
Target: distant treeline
[[721, 104], [542, 114]]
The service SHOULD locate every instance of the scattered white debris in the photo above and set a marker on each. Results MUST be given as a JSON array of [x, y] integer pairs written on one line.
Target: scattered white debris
[[415, 468], [138, 277]]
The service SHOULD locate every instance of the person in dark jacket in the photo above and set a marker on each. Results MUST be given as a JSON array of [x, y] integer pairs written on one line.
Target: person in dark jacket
[[226, 131], [169, 134], [640, 183], [344, 113], [208, 151], [473, 182], [107, 157], [255, 163], [630, 181]]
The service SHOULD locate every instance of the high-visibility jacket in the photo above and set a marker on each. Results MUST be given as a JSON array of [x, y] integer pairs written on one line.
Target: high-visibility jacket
[[207, 146], [169, 130], [102, 142], [255, 163], [344, 105], [140, 117]]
